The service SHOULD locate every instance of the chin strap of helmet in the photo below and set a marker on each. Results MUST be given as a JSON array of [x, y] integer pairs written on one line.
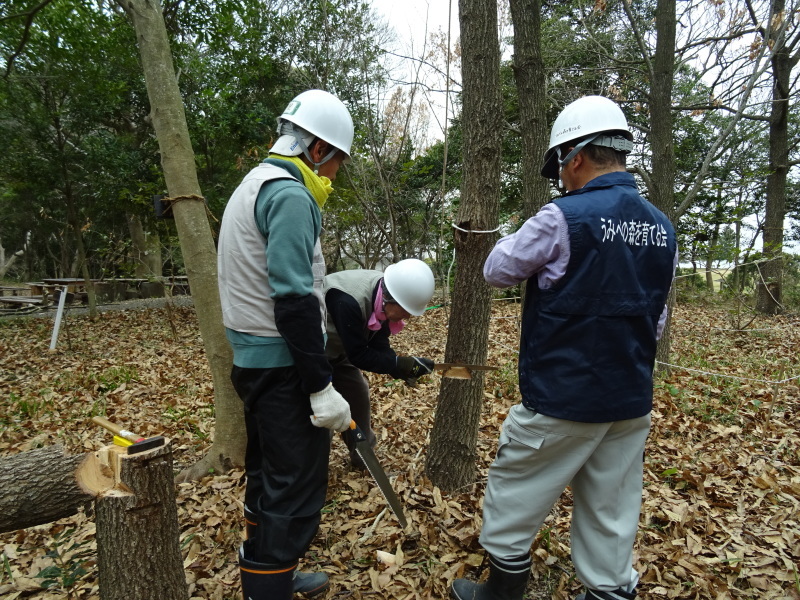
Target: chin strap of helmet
[[288, 128], [578, 147]]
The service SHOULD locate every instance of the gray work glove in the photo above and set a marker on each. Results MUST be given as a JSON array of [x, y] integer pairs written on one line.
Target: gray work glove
[[331, 410], [412, 368]]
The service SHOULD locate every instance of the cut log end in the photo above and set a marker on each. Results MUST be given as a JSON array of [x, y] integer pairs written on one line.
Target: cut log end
[[96, 474], [100, 473]]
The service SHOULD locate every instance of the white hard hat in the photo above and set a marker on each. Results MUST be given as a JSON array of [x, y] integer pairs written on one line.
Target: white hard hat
[[586, 119], [314, 114], [410, 284]]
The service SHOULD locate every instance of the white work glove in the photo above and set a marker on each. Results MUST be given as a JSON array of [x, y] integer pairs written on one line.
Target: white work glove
[[331, 410]]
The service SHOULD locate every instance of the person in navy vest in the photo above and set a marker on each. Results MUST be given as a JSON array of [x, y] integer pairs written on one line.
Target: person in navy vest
[[599, 263]]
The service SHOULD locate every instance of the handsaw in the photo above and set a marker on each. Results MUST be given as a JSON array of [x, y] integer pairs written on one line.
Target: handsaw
[[459, 370], [367, 454], [454, 371]]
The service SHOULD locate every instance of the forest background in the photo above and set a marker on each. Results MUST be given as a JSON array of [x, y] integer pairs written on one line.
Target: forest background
[[81, 168], [80, 159]]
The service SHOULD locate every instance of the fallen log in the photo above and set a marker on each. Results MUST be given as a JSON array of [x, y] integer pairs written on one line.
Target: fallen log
[[40, 486]]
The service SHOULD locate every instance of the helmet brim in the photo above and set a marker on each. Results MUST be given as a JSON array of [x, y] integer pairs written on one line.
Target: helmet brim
[[550, 164]]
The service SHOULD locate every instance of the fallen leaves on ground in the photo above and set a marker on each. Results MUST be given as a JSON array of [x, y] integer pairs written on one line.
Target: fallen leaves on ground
[[722, 471]]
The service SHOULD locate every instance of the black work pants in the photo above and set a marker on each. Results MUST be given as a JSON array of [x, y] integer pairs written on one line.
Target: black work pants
[[350, 382], [286, 461]]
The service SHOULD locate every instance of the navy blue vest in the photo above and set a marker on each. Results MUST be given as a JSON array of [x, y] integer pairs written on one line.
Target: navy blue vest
[[588, 343]]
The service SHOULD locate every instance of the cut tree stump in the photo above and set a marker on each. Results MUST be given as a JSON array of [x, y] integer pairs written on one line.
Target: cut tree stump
[[138, 547], [40, 486]]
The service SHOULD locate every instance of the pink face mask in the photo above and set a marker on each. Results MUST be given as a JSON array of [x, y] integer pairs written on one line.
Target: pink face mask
[[375, 321]]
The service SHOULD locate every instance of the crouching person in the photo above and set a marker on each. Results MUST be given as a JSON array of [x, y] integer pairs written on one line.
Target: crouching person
[[365, 308]]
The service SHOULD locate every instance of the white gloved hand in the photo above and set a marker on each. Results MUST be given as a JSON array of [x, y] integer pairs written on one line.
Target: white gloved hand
[[331, 410]]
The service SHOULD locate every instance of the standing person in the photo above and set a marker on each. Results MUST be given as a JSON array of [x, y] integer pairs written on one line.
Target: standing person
[[599, 262], [364, 308], [271, 275]]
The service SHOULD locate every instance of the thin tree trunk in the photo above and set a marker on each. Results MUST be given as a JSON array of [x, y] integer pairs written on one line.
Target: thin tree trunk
[[452, 454], [5, 265], [194, 232], [529, 74], [146, 249], [769, 288], [663, 149], [712, 248]]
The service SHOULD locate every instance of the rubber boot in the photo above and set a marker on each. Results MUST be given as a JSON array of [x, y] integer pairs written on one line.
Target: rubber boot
[[308, 584], [507, 581], [250, 522], [266, 582]]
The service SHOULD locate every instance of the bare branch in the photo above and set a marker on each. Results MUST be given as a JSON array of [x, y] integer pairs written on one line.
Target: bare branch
[[639, 41]]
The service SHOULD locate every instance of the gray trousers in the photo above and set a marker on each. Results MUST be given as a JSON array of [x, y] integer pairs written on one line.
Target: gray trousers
[[537, 457]]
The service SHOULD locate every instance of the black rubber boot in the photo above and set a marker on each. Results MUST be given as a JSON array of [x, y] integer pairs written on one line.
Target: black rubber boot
[[507, 581], [250, 522], [266, 582], [308, 584]]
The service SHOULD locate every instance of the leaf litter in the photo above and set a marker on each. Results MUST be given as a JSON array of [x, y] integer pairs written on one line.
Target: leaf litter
[[721, 501]]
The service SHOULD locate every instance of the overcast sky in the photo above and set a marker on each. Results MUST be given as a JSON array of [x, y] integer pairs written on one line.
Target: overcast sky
[[408, 17]]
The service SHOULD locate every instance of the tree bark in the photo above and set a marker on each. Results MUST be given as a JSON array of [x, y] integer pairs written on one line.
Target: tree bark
[[194, 231], [40, 486], [661, 143], [528, 66], [769, 288], [452, 454], [146, 249], [529, 75], [138, 547]]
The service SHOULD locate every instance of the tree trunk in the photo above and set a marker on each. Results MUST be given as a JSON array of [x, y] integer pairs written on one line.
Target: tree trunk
[[769, 288], [138, 541], [661, 144], [529, 74], [452, 453], [5, 265], [712, 249], [80, 248], [146, 249], [38, 487], [194, 232]]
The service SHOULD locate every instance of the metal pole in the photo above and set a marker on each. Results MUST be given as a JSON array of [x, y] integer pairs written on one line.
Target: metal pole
[[61, 301]]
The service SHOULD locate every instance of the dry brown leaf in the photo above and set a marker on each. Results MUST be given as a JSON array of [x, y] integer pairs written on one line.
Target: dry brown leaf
[[722, 472]]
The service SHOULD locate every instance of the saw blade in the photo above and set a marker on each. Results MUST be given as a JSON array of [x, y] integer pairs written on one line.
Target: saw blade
[[367, 454]]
